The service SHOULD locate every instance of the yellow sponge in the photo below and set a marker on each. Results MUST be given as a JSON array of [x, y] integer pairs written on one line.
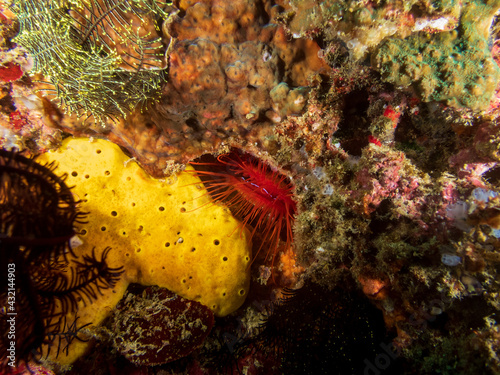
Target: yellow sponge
[[163, 232]]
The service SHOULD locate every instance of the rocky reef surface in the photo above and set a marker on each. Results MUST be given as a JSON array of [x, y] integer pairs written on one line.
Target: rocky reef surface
[[384, 116]]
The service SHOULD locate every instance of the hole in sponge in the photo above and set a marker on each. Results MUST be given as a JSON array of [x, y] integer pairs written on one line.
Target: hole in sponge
[[183, 209], [98, 151], [167, 244], [74, 173], [224, 259], [103, 228], [241, 292], [216, 242], [114, 213], [107, 173], [161, 208]]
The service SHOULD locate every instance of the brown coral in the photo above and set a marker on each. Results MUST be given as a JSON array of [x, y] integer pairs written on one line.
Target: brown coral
[[226, 60]]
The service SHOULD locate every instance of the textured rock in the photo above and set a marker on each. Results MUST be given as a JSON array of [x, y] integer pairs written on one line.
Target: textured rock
[[155, 326]]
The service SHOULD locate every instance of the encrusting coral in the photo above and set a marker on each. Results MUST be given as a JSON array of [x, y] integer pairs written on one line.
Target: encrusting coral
[[159, 231], [444, 66], [442, 52], [219, 85]]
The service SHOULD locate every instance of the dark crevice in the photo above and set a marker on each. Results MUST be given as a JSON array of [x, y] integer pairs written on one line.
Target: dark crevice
[[353, 129]]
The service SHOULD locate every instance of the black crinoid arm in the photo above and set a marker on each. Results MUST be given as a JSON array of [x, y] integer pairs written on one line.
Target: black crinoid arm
[[41, 278]]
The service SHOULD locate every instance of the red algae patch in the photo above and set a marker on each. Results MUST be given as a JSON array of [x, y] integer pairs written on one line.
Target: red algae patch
[[10, 72]]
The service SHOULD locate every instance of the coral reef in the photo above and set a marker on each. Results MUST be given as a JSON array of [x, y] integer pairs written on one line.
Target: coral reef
[[395, 220], [384, 117], [24, 121], [219, 85], [363, 25], [454, 66], [440, 50]]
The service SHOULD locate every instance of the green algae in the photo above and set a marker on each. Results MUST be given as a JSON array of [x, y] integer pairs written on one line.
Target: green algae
[[441, 67], [453, 66], [438, 49]]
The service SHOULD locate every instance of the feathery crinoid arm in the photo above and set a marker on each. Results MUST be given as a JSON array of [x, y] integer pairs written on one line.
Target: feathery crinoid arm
[[99, 58]]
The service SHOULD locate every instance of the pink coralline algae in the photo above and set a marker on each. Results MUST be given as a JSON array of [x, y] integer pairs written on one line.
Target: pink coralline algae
[[388, 177]]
